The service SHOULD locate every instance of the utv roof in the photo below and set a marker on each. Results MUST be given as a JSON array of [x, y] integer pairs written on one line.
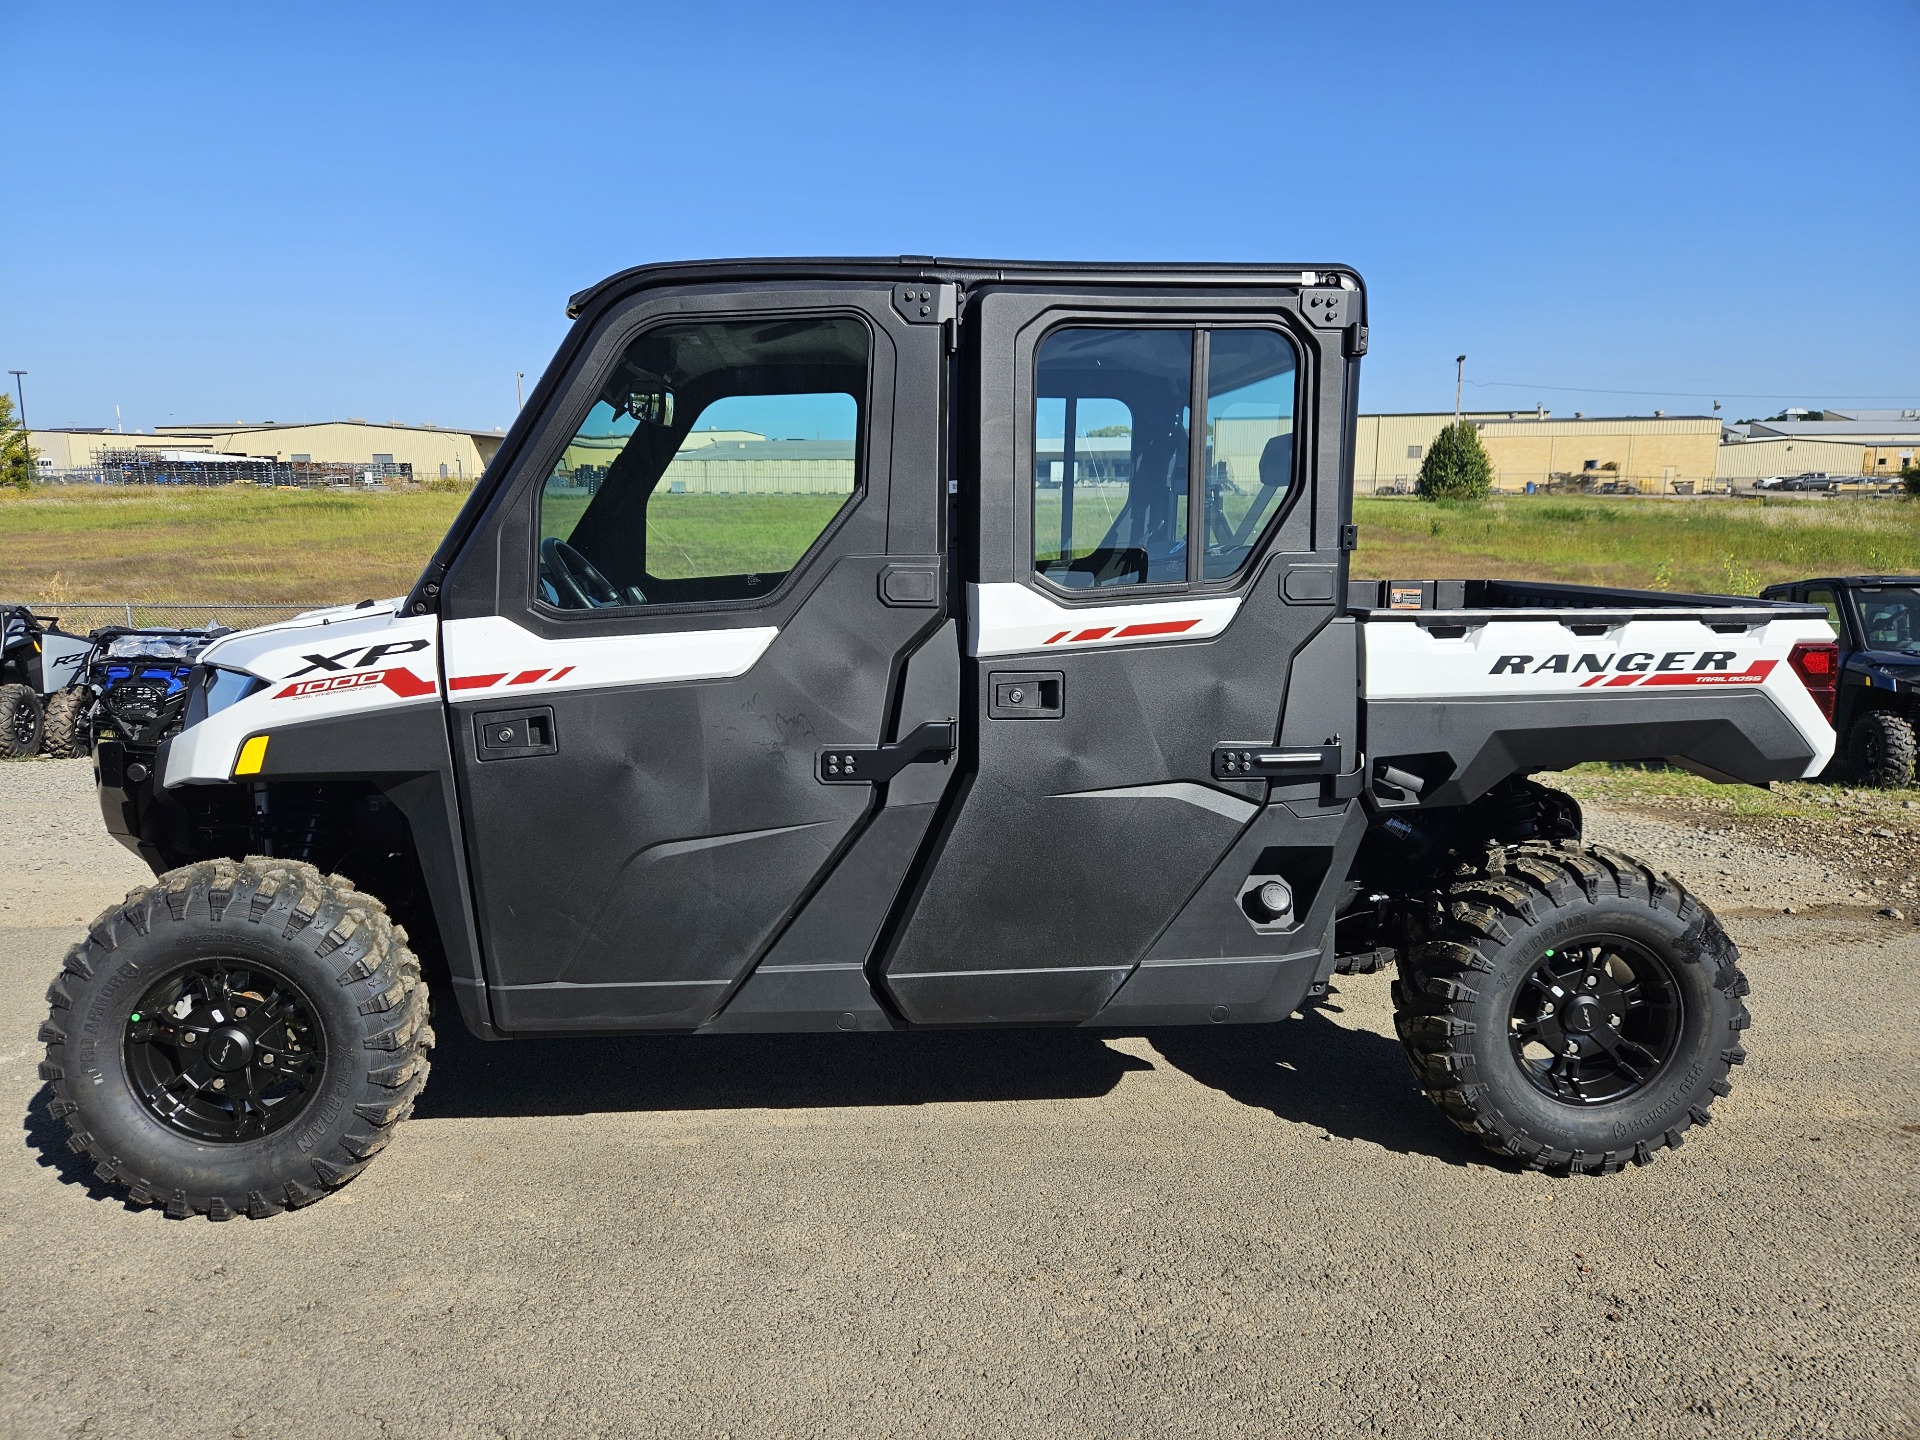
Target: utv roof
[[922, 267]]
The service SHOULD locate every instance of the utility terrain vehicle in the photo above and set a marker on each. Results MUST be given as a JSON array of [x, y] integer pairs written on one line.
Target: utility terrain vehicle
[[1877, 619], [885, 645], [39, 662]]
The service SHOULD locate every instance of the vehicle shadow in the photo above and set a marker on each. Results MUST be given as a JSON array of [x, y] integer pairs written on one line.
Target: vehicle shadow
[[473, 1078], [1349, 1084]]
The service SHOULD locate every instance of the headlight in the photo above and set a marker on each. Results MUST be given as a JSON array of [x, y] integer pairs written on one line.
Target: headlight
[[213, 689], [150, 647]]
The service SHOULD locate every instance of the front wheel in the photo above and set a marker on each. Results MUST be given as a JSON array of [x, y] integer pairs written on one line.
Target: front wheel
[[236, 1037], [20, 722], [1570, 1007], [1880, 750]]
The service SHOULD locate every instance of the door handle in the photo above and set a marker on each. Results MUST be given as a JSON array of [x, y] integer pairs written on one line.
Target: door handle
[[877, 764]]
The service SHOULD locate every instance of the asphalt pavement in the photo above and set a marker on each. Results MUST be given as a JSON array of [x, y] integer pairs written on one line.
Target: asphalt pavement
[[1206, 1232]]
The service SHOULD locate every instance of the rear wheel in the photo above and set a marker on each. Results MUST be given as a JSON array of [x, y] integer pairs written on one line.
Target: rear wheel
[[236, 1038], [20, 722], [1880, 750], [1571, 1008], [66, 729]]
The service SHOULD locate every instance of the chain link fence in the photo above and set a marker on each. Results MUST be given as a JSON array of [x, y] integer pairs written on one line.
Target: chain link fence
[[81, 617]]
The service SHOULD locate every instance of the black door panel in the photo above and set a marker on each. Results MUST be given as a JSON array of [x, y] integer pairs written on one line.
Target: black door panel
[[633, 879]]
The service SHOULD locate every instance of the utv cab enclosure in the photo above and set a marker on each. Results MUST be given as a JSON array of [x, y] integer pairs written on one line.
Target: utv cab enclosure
[[891, 644]]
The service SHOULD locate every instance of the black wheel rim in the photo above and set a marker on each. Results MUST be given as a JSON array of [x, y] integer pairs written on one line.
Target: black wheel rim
[[224, 1051], [25, 726], [1596, 1021]]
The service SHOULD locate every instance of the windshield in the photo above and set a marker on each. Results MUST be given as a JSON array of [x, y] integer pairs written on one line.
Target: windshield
[[1890, 617]]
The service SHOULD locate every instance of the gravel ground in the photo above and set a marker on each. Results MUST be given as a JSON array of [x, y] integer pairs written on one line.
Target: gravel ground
[[1189, 1232]]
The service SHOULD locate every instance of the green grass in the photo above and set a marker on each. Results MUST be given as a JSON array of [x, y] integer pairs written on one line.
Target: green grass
[[1717, 546], [1663, 788], [693, 535], [239, 543]]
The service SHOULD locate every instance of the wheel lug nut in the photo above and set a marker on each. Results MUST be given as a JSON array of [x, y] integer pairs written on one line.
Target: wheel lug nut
[[240, 1011], [266, 1059], [187, 1038], [219, 1084]]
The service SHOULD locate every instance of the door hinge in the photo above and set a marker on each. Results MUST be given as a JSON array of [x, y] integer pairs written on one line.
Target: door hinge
[[877, 764], [1349, 537]]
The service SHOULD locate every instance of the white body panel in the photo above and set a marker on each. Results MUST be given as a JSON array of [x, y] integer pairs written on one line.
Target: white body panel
[[490, 656], [1533, 653], [319, 666], [1009, 619]]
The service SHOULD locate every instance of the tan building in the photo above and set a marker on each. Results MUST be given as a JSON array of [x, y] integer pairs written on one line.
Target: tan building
[[1742, 462], [428, 451]]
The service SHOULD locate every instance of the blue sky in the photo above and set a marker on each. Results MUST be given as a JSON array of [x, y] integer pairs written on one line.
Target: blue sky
[[292, 212]]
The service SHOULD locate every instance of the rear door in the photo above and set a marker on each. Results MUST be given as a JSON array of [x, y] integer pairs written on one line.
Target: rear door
[[1156, 535], [697, 595]]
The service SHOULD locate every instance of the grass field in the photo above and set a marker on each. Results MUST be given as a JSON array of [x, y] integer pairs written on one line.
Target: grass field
[[242, 544]]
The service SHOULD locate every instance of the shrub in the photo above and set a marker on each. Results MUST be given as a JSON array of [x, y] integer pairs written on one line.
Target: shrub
[[1456, 466]]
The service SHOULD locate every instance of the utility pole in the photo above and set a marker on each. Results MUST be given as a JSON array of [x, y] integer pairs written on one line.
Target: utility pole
[[1459, 379], [19, 385], [518, 403]]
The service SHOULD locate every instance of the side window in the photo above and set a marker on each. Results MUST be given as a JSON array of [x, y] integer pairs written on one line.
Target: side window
[[715, 455], [1820, 595], [1110, 456], [1250, 377]]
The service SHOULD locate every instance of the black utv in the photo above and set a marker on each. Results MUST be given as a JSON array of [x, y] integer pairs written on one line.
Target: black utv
[[1877, 620], [886, 645]]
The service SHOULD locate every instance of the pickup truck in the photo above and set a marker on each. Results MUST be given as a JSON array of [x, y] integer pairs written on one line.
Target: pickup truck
[[1877, 621], [884, 645]]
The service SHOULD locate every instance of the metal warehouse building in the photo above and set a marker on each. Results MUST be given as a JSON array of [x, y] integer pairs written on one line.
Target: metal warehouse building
[[422, 451]]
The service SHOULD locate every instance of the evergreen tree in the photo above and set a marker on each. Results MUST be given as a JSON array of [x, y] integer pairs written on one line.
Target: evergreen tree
[[1456, 466], [16, 456]]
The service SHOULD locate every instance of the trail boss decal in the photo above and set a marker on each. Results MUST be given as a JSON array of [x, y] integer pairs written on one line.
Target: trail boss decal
[[1640, 667], [343, 671]]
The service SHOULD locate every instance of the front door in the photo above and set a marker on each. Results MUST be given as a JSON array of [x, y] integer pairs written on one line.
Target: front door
[[1153, 543], [706, 576]]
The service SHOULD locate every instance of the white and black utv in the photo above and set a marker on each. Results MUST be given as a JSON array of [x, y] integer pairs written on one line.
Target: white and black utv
[[888, 645], [39, 665]]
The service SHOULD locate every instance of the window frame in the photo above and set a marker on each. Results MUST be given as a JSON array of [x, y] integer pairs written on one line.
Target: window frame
[[1200, 332], [863, 462]]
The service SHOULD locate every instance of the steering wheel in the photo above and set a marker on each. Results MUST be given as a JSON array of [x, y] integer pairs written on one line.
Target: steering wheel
[[578, 583]]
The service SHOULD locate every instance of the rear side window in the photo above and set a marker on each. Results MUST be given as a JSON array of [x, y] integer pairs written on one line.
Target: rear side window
[[714, 457], [1120, 495], [1111, 456]]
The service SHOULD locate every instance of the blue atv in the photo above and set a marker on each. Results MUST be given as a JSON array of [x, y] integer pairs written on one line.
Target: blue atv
[[134, 689]]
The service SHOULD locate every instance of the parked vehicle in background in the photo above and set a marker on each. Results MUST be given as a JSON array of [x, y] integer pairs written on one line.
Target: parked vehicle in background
[[1877, 708], [134, 687], [1050, 704], [38, 660], [1812, 480]]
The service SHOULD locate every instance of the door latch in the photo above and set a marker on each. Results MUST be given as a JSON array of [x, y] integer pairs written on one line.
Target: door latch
[[511, 734], [877, 764]]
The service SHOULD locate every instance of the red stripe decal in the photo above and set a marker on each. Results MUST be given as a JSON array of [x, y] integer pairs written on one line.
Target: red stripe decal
[[1622, 680], [1093, 634], [406, 684], [1055, 639], [526, 677], [475, 682], [563, 670], [1158, 627], [1754, 674], [1594, 681]]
